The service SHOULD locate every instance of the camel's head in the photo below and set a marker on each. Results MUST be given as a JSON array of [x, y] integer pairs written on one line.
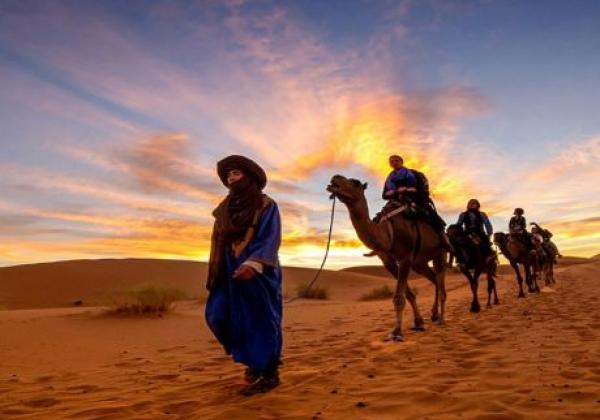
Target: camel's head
[[347, 190], [454, 232], [499, 238]]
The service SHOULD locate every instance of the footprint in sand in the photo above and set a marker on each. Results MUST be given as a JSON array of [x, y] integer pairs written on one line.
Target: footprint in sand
[[103, 412], [165, 376], [193, 369], [41, 402], [44, 379], [15, 412], [183, 407], [83, 389], [171, 349], [572, 374]]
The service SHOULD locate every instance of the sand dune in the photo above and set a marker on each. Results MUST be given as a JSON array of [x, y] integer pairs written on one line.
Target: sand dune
[[97, 282], [537, 357]]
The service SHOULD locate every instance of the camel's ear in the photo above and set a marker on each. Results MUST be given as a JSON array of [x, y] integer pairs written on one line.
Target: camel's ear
[[365, 185]]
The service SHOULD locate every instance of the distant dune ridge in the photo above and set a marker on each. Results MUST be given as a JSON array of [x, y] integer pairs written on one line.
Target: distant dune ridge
[[536, 357], [95, 282]]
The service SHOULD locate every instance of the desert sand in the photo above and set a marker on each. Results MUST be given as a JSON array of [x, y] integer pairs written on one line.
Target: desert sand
[[537, 357]]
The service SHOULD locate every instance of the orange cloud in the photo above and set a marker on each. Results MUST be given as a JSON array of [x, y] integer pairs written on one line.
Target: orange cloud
[[385, 125]]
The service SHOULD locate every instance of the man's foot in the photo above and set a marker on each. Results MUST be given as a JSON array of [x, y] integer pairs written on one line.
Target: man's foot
[[251, 375], [264, 383]]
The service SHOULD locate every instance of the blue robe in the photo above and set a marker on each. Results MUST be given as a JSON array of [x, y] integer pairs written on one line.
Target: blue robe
[[245, 315]]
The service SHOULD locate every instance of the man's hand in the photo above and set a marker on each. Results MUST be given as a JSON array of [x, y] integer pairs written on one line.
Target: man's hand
[[244, 272]]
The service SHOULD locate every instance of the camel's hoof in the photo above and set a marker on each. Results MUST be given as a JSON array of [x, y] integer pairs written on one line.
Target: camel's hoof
[[521, 295], [475, 309], [440, 322], [488, 306], [496, 302], [418, 328], [395, 337], [435, 317]]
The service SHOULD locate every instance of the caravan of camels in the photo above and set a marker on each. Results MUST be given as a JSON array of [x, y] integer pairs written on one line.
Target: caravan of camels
[[245, 315], [406, 236]]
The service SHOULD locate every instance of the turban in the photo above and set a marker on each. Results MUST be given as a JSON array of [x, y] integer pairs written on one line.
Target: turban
[[242, 163]]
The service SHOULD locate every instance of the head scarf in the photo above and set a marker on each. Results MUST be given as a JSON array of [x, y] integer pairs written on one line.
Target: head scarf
[[236, 213], [247, 166]]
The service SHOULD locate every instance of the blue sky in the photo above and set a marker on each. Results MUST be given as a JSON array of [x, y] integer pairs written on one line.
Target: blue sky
[[113, 115]]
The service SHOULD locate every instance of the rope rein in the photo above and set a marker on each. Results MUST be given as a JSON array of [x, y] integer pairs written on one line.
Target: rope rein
[[313, 281]]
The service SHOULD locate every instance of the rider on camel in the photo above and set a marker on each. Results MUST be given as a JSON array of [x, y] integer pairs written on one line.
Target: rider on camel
[[544, 238], [477, 226], [410, 187], [517, 227]]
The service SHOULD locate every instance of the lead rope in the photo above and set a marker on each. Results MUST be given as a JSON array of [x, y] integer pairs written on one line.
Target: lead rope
[[313, 281]]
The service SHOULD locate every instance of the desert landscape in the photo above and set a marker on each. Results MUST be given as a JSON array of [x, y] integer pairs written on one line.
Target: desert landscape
[[537, 357], [143, 141]]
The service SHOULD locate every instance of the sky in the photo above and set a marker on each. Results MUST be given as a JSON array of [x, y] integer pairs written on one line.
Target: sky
[[113, 115]]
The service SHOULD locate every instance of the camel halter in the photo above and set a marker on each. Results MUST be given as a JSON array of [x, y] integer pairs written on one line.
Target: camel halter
[[314, 280]]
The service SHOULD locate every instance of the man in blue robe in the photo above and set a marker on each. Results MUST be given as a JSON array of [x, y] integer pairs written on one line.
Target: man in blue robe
[[244, 307]]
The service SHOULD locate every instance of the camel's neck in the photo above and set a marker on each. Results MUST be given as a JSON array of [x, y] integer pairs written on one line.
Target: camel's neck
[[504, 248], [366, 230]]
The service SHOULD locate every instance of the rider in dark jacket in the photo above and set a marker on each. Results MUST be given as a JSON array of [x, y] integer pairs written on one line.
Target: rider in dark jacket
[[477, 225], [517, 227], [517, 224]]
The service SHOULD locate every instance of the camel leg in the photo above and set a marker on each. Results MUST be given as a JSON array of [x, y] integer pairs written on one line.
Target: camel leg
[[538, 269], [496, 300], [549, 272], [492, 287], [474, 281], [392, 268], [534, 270], [544, 272], [429, 274], [440, 276], [400, 298], [515, 267], [528, 273], [412, 299], [491, 268]]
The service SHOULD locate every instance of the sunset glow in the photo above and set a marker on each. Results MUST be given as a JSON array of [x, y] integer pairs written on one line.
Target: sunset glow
[[114, 114]]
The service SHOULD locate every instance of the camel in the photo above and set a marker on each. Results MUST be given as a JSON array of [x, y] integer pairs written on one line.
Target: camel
[[470, 257], [544, 258], [402, 244], [517, 253]]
